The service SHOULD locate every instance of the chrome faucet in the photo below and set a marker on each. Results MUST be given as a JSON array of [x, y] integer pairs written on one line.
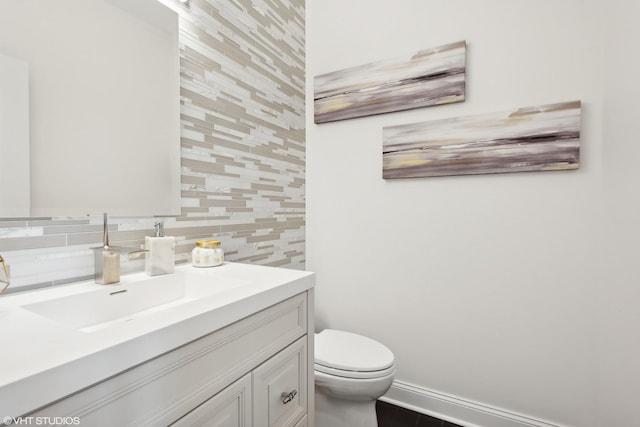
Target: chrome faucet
[[107, 258], [5, 278]]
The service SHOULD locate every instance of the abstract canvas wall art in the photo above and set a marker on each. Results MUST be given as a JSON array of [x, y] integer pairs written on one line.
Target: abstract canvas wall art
[[429, 77], [538, 138]]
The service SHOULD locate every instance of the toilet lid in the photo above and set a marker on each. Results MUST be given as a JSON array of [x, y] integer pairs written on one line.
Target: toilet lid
[[347, 351]]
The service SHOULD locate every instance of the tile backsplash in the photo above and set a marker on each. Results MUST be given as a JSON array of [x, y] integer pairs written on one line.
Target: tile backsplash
[[242, 152]]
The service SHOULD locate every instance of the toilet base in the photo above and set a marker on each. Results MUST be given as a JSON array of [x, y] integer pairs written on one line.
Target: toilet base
[[331, 412]]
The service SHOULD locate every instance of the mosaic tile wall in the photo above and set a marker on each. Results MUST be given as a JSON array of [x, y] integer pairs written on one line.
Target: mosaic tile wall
[[243, 151]]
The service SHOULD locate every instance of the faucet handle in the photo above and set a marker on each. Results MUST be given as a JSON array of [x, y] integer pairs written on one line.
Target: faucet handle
[[105, 231], [137, 253]]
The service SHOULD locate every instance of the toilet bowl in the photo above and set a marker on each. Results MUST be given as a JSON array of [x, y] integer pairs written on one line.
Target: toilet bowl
[[351, 372]]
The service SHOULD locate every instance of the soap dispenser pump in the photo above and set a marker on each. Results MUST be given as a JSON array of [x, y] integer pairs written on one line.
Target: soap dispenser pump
[[161, 252]]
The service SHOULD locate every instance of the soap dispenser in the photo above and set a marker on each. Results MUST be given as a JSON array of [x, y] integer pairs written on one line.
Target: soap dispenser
[[161, 252]]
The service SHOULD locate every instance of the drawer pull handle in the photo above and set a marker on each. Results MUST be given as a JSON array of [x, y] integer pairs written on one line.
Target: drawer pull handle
[[288, 397]]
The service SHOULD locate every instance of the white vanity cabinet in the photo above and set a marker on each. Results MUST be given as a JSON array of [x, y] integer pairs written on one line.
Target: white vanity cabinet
[[229, 408], [257, 398], [257, 371], [280, 388]]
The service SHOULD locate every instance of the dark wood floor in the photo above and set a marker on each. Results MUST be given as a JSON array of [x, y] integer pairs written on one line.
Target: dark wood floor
[[394, 416]]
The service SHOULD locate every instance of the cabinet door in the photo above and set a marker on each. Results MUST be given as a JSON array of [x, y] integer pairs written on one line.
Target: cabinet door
[[229, 408], [280, 388]]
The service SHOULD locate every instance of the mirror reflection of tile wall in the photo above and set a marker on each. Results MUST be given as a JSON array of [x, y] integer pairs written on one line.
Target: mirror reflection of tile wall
[[242, 152]]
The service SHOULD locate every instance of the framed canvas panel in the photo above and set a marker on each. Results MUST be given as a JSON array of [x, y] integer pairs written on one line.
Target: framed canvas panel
[[541, 138], [429, 77]]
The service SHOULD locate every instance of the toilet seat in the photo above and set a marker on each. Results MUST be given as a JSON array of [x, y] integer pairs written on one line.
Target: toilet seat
[[350, 355], [355, 374]]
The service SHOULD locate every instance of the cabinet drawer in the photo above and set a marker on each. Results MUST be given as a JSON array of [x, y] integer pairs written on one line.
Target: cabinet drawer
[[280, 388], [229, 408], [163, 389]]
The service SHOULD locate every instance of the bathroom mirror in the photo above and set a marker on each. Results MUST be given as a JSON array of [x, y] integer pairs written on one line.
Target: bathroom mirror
[[104, 106]]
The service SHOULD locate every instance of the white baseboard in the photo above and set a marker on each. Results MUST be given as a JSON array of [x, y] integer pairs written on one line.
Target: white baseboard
[[459, 411]]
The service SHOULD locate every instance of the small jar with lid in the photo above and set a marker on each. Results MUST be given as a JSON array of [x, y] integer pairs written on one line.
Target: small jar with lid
[[207, 253]]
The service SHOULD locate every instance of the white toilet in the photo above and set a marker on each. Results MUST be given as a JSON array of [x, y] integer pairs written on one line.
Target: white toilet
[[351, 373]]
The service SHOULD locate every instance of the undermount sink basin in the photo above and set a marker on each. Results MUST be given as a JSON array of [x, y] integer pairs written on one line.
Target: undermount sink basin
[[113, 305]]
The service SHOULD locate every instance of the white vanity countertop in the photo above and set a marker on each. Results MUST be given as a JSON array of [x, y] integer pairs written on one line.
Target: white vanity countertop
[[43, 360]]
